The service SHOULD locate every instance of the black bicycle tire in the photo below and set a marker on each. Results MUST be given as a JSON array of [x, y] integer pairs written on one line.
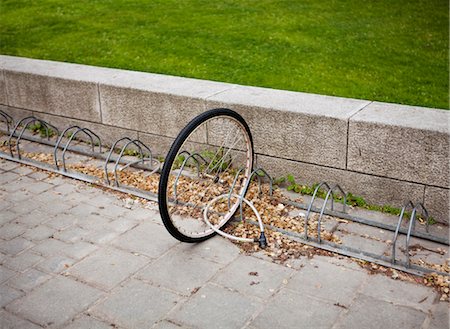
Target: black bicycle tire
[[170, 158]]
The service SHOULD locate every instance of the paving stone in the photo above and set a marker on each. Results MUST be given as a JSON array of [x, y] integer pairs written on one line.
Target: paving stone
[[54, 206], [22, 170], [79, 249], [10, 321], [113, 211], [26, 207], [19, 183], [217, 249], [440, 317], [39, 175], [87, 322], [65, 187], [399, 292], [62, 221], [14, 246], [55, 264], [195, 270], [83, 209], [39, 187], [9, 165], [8, 294], [107, 267], [149, 305], [224, 309], [50, 247], [8, 177], [71, 234], [93, 222], [254, 277], [122, 225], [38, 233], [307, 313], [5, 273], [11, 230], [144, 214], [33, 218], [327, 281], [4, 204], [7, 215], [18, 196], [168, 325], [148, 239], [63, 296], [28, 280], [367, 312], [22, 261]]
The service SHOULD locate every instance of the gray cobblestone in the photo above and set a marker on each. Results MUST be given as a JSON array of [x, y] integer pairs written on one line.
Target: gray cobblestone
[[224, 309], [148, 239], [38, 233], [14, 246], [28, 280], [5, 274], [22, 261], [196, 272], [11, 230], [296, 310], [107, 267], [118, 310], [87, 322], [55, 264], [10, 321], [66, 298], [326, 281], [8, 294], [254, 277], [369, 313]]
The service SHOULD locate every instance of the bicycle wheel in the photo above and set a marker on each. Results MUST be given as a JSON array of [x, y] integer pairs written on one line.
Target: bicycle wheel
[[211, 156]]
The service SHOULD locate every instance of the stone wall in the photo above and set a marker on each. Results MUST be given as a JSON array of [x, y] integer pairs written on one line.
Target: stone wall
[[387, 153]]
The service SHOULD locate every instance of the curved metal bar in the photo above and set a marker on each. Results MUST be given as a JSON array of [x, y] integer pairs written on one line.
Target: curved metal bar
[[308, 212], [400, 219], [412, 224], [330, 192], [191, 156], [253, 173], [7, 118], [88, 133], [14, 131], [425, 214], [59, 142], [236, 177], [31, 119], [109, 156], [337, 186], [139, 145]]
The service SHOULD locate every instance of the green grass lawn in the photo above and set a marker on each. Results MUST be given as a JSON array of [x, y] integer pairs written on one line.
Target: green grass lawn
[[393, 51]]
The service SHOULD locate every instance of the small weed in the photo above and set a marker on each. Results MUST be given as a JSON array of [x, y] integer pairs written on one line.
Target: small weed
[[39, 128], [352, 200]]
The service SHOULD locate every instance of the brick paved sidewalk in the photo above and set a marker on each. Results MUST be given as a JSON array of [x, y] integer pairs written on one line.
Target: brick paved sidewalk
[[74, 256]]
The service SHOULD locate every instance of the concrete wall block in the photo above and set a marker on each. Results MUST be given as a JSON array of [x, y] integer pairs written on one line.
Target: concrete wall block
[[3, 98], [437, 202], [402, 142], [147, 111], [71, 98], [158, 144], [107, 134], [375, 190], [16, 114], [303, 127]]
